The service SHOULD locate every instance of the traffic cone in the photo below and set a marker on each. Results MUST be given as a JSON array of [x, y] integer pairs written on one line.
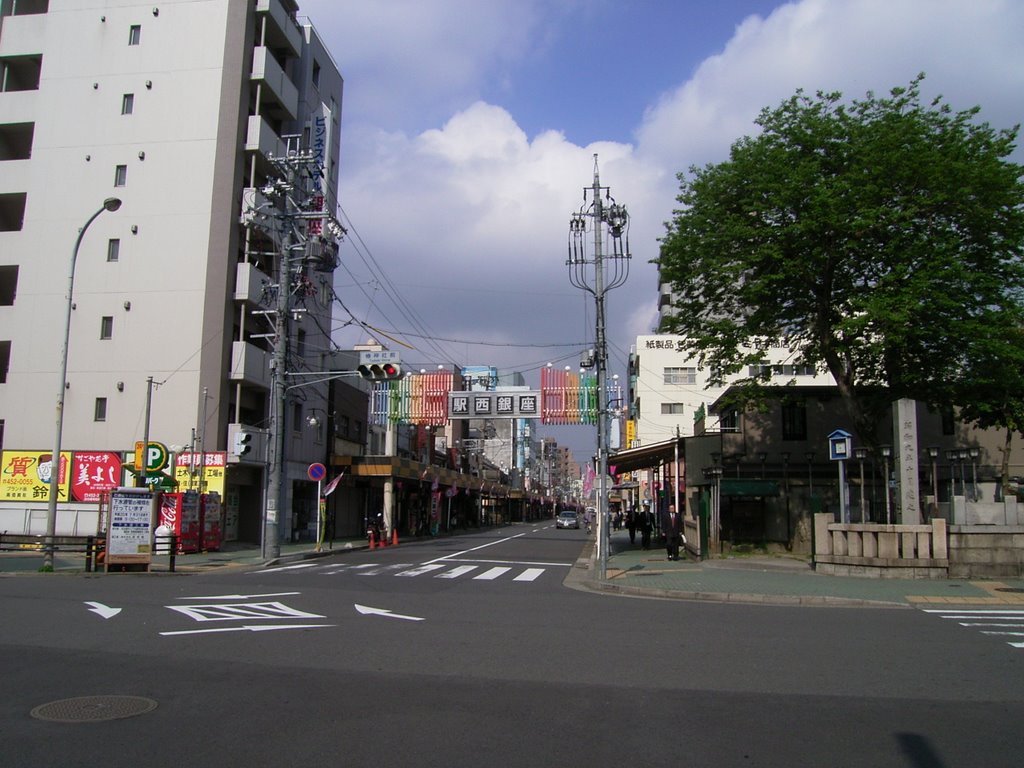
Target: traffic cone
[[373, 541], [394, 538]]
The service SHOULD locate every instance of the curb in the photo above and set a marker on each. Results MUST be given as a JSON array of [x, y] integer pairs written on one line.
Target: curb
[[583, 576]]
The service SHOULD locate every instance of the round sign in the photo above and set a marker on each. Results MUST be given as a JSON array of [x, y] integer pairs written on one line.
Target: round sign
[[317, 472]]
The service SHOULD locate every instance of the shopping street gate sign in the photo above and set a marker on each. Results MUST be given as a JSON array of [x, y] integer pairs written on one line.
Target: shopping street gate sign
[[519, 404]]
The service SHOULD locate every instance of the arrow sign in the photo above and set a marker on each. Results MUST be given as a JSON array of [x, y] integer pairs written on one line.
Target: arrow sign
[[103, 610], [367, 611]]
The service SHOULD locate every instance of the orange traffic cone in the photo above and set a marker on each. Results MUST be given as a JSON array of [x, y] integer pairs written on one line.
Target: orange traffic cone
[[394, 538], [373, 541]]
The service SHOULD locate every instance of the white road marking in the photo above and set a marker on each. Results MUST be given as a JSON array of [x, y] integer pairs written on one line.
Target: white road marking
[[238, 597], [295, 567], [491, 574], [529, 574], [103, 610], [222, 612], [421, 570], [255, 628], [457, 571], [367, 611]]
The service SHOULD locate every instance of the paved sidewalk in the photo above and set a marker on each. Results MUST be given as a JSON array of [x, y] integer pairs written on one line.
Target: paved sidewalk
[[780, 580]]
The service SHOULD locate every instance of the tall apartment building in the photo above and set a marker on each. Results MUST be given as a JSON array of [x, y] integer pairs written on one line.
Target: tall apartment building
[[184, 111]]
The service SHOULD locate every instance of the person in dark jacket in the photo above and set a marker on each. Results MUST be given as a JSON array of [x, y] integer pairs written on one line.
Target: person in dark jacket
[[672, 530], [645, 523]]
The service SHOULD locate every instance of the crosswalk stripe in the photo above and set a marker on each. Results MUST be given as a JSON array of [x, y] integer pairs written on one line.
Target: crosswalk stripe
[[454, 573], [421, 570], [492, 573], [529, 574]]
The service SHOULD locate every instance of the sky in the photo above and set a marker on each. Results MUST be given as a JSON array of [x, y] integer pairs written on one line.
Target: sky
[[470, 129]]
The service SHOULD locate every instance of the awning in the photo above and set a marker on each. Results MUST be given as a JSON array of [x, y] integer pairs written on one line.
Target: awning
[[646, 456]]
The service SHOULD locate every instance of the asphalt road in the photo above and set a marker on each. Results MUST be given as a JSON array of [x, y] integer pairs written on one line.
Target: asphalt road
[[475, 651]]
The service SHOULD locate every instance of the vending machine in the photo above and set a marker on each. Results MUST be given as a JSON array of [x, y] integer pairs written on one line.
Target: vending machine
[[180, 513], [213, 522]]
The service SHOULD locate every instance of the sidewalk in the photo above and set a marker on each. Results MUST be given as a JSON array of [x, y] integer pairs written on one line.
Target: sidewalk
[[776, 580], [780, 580]]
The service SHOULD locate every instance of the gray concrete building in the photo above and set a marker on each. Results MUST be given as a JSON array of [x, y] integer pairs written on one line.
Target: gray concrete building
[[179, 109]]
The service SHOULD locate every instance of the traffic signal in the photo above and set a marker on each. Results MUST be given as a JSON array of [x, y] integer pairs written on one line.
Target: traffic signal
[[243, 443], [380, 371]]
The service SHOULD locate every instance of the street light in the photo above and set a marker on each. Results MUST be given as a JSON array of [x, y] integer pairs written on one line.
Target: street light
[[886, 451], [861, 454], [951, 457], [933, 454], [110, 204], [974, 453], [809, 455]]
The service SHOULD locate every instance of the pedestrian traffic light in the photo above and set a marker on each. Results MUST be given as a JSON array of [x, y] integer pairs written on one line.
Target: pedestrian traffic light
[[380, 371], [243, 443]]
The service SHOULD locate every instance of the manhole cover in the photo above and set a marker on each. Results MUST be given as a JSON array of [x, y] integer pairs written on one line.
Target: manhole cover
[[93, 709]]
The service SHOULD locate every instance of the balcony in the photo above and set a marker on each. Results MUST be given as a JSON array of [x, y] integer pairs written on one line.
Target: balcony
[[282, 32], [250, 365], [278, 88], [262, 139], [251, 286]]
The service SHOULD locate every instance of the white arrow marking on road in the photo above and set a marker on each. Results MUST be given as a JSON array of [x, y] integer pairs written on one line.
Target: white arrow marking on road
[[254, 628], [365, 610], [103, 610]]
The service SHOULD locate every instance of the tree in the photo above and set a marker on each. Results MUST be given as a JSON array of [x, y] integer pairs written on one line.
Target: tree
[[879, 240]]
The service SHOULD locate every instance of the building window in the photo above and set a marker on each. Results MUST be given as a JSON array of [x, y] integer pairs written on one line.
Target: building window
[[113, 249], [120, 175], [672, 409], [5, 360], [729, 421], [341, 427], [680, 375], [316, 75], [106, 327], [100, 411], [297, 421], [127, 103], [134, 34], [794, 421]]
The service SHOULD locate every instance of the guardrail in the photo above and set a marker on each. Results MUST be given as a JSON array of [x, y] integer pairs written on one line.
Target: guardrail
[[865, 549], [93, 547]]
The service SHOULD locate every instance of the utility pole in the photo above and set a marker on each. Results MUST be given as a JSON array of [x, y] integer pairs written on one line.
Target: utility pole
[[615, 218], [300, 218]]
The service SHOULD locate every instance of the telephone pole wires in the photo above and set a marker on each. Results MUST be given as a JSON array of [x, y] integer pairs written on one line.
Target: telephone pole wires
[[597, 275]]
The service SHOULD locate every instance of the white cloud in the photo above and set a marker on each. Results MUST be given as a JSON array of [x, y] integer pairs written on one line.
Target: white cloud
[[468, 215]]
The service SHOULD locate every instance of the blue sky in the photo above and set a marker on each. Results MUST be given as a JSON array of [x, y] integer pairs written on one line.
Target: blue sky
[[469, 130]]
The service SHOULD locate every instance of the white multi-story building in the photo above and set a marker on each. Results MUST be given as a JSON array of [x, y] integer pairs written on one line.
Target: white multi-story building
[[178, 109], [669, 389]]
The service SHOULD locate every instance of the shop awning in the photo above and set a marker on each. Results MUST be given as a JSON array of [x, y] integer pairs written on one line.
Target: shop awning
[[646, 456]]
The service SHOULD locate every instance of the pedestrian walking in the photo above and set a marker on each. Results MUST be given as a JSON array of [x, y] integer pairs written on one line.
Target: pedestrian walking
[[631, 525], [672, 530], [646, 524]]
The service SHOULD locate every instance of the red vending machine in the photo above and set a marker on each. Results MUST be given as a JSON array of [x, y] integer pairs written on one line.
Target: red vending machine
[[180, 512], [213, 523]]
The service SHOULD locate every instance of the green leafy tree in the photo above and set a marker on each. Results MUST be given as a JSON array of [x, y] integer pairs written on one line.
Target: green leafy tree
[[879, 240]]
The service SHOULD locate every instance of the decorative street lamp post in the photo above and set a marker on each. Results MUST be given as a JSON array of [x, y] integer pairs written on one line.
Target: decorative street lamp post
[[951, 457], [933, 454], [974, 453], [861, 454], [886, 451]]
